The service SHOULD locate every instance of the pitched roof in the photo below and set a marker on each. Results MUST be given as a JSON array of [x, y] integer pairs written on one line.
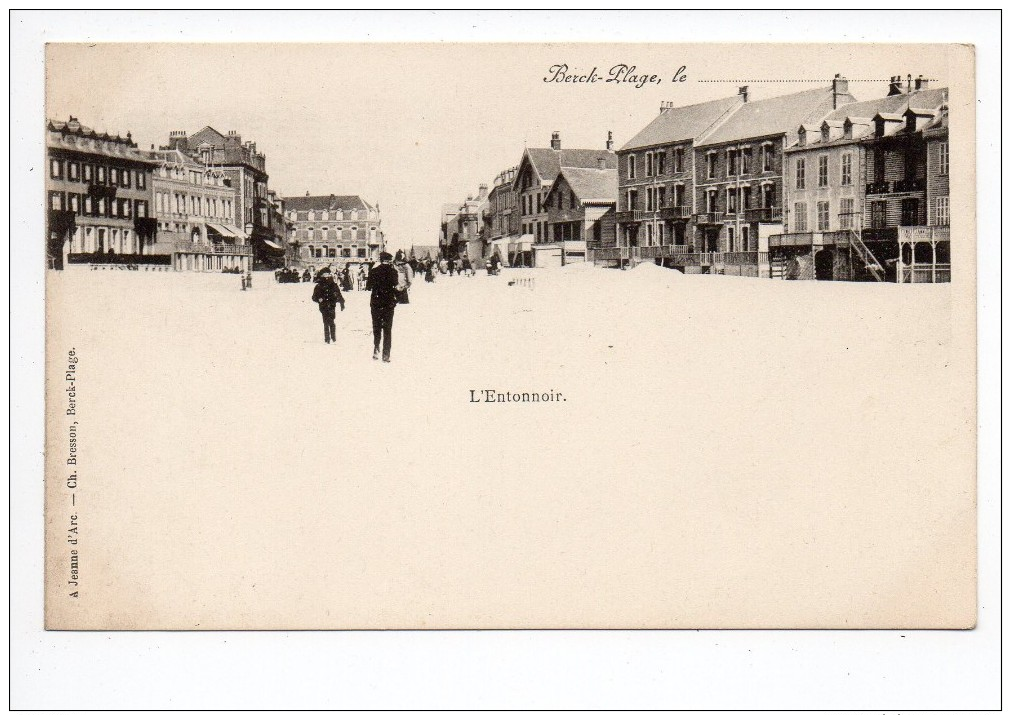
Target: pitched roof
[[548, 162], [324, 203], [776, 115], [209, 135], [590, 185], [682, 123], [895, 104]]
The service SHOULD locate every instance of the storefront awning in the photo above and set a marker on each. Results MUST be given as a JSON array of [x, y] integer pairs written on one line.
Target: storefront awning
[[226, 231], [272, 244]]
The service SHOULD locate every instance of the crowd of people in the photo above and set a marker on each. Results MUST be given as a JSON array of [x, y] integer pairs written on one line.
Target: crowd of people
[[389, 283]]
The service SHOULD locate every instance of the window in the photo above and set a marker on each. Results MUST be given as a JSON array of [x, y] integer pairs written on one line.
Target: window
[[943, 158], [879, 165], [744, 238], [679, 195], [661, 160], [75, 203], [101, 207], [55, 201], [126, 208], [746, 197], [746, 161], [847, 169], [362, 253], [878, 214], [88, 172], [74, 171], [141, 209], [941, 208], [823, 170], [730, 239], [767, 156], [799, 218], [540, 202], [711, 165], [88, 206], [731, 162], [99, 174], [125, 179], [661, 196], [572, 200], [113, 207], [731, 201], [633, 200], [823, 224], [631, 166], [679, 160], [846, 213], [649, 163], [55, 169], [113, 176], [800, 173]]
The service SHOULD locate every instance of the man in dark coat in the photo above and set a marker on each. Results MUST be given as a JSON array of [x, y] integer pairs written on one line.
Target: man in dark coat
[[382, 281], [327, 295]]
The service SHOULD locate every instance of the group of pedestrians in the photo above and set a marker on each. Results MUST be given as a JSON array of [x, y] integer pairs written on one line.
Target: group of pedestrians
[[389, 285]]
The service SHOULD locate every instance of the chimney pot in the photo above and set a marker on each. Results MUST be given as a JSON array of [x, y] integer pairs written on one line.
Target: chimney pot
[[610, 140], [743, 91], [556, 141]]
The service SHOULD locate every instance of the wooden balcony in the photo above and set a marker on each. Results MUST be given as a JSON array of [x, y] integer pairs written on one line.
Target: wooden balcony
[[923, 234], [632, 216], [713, 218], [767, 214], [676, 213], [878, 187], [909, 185]]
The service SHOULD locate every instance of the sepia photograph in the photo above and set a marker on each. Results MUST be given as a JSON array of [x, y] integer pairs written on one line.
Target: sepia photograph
[[374, 335]]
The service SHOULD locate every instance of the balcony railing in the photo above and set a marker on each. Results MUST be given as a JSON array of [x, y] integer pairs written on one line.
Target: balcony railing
[[666, 251], [890, 233], [927, 273], [878, 187], [718, 258], [923, 234], [632, 216], [711, 218], [791, 239], [676, 213], [906, 185], [764, 214], [229, 249]]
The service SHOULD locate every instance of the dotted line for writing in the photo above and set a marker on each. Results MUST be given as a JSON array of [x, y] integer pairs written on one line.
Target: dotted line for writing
[[777, 81]]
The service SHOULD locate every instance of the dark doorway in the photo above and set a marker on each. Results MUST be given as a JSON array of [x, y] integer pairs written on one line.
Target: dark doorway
[[823, 265], [910, 212]]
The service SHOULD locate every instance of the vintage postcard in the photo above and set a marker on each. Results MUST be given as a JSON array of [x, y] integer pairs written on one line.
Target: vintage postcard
[[500, 336]]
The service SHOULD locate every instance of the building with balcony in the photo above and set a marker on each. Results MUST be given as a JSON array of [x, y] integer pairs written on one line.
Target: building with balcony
[[98, 197], [826, 188], [334, 230], [246, 170], [194, 205], [898, 167], [656, 174], [739, 167], [580, 206], [502, 222], [536, 173]]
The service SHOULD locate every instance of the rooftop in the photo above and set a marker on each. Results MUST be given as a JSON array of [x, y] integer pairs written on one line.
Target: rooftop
[[678, 124]]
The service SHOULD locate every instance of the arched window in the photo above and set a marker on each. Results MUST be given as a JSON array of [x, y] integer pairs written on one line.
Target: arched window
[[326, 216]]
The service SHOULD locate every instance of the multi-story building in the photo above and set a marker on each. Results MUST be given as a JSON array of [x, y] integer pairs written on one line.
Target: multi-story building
[[246, 170], [334, 230], [281, 229], [502, 225], [194, 205], [98, 190], [537, 171], [580, 206], [739, 170], [656, 178], [826, 190], [938, 268], [463, 227]]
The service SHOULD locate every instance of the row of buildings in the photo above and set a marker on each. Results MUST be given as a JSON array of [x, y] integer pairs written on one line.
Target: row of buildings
[[810, 184], [201, 203]]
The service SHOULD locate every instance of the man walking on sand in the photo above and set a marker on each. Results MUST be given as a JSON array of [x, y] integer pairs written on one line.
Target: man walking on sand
[[382, 281], [327, 295]]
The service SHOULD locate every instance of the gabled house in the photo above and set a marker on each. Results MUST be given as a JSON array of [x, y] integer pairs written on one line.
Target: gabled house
[[580, 206], [537, 171]]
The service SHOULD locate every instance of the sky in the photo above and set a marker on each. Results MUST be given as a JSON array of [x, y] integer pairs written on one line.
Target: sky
[[413, 126]]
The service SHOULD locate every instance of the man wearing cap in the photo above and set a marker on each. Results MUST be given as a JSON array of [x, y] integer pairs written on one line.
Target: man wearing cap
[[382, 281], [327, 295]]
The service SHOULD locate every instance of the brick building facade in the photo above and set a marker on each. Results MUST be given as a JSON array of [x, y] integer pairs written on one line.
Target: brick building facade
[[334, 230]]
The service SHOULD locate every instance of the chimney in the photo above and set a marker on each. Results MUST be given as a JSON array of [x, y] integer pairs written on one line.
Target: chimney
[[921, 83], [610, 140], [601, 163], [839, 87], [743, 91], [909, 83], [556, 141], [307, 194], [895, 85], [482, 192]]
